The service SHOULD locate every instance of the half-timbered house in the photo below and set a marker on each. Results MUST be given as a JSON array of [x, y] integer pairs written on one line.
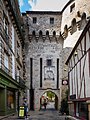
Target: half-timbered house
[[79, 76]]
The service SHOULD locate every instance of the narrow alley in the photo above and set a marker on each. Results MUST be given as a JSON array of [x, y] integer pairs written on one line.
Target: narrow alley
[[47, 114]]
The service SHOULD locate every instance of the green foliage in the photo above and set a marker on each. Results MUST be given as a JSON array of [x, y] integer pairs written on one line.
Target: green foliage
[[64, 104], [50, 94]]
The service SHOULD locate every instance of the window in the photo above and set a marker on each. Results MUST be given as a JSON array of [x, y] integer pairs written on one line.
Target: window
[[10, 100], [18, 74], [34, 20], [13, 41], [6, 26], [49, 62], [6, 63], [13, 66], [18, 49], [72, 7], [6, 60], [51, 20]]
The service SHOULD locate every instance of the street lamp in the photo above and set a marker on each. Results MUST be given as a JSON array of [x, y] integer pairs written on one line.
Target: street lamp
[[76, 52]]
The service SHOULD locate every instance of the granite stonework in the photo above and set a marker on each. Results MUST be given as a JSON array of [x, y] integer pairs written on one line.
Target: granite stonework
[[47, 47], [44, 50]]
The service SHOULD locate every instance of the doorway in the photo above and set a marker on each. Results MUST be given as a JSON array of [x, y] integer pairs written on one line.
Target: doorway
[[49, 100]]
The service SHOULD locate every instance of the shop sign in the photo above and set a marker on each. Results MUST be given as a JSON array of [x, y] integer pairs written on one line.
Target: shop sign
[[21, 111]]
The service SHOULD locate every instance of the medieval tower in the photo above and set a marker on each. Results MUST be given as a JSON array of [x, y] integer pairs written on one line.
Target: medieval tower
[[43, 47], [49, 38]]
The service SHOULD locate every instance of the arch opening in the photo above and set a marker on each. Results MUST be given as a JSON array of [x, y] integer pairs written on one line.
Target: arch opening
[[49, 101], [54, 33], [40, 33], [33, 33], [47, 33]]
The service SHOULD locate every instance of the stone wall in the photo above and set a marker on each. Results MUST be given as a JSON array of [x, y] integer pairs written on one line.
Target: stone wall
[[47, 47], [43, 22], [44, 50]]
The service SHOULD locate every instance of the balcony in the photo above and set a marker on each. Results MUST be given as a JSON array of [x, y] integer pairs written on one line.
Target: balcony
[[20, 81]]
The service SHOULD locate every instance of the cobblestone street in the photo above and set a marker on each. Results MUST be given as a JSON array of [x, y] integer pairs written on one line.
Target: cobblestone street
[[39, 115]]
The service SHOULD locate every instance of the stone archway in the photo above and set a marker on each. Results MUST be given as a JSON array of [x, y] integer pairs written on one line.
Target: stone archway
[[51, 99]]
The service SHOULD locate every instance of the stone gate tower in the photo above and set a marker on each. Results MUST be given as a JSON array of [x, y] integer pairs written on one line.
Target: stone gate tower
[[43, 59]]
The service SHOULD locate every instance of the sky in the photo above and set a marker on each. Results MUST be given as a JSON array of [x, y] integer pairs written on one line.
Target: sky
[[41, 5]]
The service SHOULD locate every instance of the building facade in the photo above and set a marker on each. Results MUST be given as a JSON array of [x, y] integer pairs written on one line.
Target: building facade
[[79, 76], [43, 58], [12, 84], [75, 16]]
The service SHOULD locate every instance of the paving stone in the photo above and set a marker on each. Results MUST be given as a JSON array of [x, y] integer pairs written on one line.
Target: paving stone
[[39, 115]]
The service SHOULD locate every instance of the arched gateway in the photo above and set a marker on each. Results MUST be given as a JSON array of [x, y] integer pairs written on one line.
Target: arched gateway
[[43, 56], [50, 97]]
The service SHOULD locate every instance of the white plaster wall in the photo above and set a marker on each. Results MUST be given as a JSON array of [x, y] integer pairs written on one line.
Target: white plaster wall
[[67, 17], [83, 6], [79, 75]]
